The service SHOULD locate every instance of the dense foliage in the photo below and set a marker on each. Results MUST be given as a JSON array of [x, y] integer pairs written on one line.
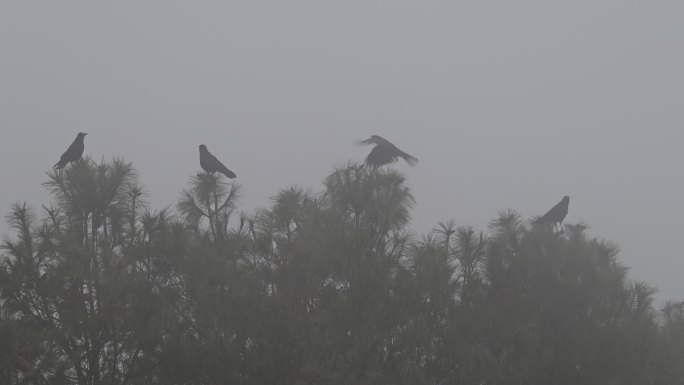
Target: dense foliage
[[322, 288]]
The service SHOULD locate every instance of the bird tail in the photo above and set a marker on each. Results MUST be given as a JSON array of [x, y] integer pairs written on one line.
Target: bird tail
[[229, 174], [60, 165], [411, 160]]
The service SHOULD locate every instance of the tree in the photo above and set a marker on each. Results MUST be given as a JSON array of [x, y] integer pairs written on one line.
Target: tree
[[326, 287], [86, 280]]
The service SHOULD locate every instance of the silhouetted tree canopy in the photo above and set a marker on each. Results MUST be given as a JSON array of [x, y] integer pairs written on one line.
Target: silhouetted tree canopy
[[325, 287]]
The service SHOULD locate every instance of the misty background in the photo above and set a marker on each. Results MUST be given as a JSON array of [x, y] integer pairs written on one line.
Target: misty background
[[505, 104]]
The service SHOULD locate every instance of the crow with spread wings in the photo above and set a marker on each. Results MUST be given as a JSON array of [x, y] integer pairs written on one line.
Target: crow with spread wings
[[385, 152]]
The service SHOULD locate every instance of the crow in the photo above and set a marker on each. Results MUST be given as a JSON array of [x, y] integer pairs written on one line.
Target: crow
[[385, 152], [557, 213], [73, 153], [211, 165]]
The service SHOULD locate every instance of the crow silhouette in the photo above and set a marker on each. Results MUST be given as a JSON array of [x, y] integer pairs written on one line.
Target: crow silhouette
[[557, 213], [73, 153], [385, 152], [211, 165]]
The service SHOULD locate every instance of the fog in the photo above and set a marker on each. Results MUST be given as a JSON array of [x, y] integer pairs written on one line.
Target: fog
[[506, 104]]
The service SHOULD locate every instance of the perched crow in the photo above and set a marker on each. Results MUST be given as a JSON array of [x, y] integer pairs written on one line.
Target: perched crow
[[73, 153], [210, 164], [557, 213], [385, 152]]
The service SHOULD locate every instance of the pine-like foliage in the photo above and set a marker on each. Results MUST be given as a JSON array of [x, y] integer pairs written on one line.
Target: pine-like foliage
[[327, 287]]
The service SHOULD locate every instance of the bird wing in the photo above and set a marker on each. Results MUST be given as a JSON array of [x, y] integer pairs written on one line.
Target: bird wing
[[411, 160], [220, 167], [380, 156], [72, 153], [556, 214]]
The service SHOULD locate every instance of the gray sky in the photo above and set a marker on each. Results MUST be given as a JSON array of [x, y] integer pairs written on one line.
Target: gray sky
[[506, 104]]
